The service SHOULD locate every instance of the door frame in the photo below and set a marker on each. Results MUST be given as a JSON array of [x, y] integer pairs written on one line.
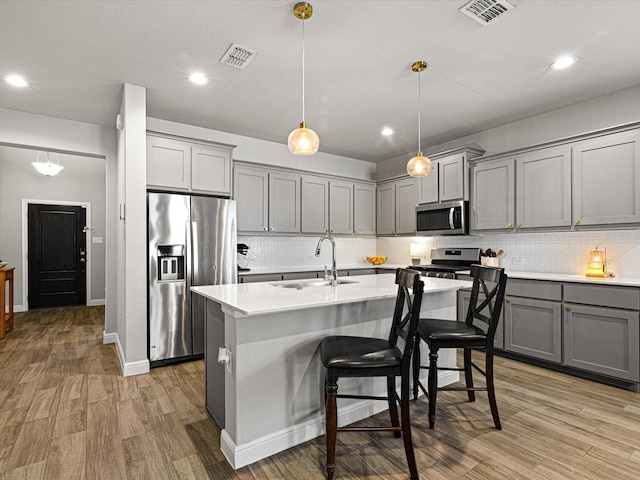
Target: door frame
[[25, 245]]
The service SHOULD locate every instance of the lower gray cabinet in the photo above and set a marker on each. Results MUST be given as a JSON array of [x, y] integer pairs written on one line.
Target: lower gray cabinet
[[533, 327], [602, 340], [261, 277]]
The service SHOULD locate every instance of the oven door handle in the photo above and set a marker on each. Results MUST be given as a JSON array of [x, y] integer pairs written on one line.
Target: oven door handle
[[451, 211]]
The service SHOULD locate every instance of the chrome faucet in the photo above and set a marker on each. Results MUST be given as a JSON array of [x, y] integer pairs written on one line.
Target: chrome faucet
[[334, 270]]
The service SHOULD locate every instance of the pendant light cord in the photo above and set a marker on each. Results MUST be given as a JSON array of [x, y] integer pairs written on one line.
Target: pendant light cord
[[419, 129], [303, 69]]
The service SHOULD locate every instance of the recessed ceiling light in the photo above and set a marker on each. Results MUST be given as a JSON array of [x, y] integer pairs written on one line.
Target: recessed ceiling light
[[387, 131], [563, 62], [16, 81], [198, 78]]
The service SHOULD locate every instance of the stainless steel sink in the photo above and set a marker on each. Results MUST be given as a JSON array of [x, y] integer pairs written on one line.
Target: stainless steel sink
[[311, 283]]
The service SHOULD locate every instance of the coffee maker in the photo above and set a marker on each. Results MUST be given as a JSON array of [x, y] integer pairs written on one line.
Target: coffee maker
[[243, 261]]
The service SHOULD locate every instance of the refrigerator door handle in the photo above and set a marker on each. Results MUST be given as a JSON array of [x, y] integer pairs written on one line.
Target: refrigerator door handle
[[193, 243]]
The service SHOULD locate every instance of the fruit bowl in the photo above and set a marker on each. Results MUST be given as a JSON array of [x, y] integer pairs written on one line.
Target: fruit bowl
[[376, 259]]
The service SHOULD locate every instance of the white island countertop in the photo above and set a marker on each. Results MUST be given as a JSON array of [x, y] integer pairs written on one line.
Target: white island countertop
[[565, 277], [244, 299]]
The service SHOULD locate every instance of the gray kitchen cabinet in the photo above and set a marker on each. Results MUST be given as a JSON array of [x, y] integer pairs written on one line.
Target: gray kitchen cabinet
[[301, 275], [606, 179], [184, 166], [601, 330], [533, 319], [364, 209], [533, 328], [492, 204], [210, 170], [168, 163], [284, 202], [396, 207], [464, 296], [428, 190], [315, 204], [406, 201], [266, 200], [341, 211], [251, 192], [543, 188], [449, 178], [386, 209]]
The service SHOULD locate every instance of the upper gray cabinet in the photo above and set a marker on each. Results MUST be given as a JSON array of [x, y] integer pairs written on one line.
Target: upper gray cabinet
[[449, 179], [267, 201], [606, 179], [493, 195], [364, 209], [590, 182], [543, 188], [333, 206], [341, 212], [186, 166], [315, 204], [528, 190], [396, 207]]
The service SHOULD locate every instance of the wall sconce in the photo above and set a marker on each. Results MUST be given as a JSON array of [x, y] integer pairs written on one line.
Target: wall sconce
[[417, 251], [597, 266], [49, 169]]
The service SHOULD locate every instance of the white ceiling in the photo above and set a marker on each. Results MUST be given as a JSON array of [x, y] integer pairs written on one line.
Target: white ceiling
[[77, 55]]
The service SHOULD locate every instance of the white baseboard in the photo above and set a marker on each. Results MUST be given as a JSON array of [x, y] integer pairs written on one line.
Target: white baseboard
[[16, 309], [96, 302], [131, 368], [239, 456]]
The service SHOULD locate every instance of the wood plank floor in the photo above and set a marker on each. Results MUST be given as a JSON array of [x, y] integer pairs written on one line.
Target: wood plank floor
[[67, 413]]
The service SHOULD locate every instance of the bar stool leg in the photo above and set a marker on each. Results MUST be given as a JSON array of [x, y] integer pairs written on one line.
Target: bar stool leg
[[468, 374], [406, 431], [393, 404], [416, 368], [491, 391], [433, 384], [331, 390]]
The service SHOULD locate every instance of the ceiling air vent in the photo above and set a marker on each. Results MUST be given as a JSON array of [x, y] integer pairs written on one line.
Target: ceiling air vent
[[237, 56], [485, 11]]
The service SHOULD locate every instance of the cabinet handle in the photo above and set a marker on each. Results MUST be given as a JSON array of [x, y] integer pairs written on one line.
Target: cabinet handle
[[265, 229], [577, 222], [567, 308], [355, 231], [518, 225], [271, 229], [506, 300], [509, 225], [331, 231]]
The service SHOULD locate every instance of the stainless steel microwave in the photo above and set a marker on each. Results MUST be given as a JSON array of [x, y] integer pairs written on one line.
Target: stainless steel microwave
[[450, 218]]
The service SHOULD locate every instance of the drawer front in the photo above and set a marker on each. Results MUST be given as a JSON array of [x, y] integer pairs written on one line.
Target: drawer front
[[534, 289], [605, 296]]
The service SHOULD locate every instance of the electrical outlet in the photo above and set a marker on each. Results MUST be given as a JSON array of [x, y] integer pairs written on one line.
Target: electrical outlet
[[518, 260], [96, 239]]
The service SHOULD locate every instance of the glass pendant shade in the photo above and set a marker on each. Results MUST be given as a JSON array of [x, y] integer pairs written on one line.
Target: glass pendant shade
[[303, 141], [49, 169], [419, 166]]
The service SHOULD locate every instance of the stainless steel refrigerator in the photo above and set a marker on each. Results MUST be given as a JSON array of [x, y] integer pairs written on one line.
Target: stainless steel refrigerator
[[192, 241]]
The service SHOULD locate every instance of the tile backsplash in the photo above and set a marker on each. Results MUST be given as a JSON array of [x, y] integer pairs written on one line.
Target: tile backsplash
[[551, 252]]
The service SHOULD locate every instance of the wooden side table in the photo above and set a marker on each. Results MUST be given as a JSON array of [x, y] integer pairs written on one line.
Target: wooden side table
[[6, 319]]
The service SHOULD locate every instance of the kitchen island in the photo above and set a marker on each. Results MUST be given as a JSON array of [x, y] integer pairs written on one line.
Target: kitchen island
[[269, 396]]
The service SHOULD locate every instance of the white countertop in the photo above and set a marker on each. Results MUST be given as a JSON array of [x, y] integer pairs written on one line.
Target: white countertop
[[264, 297], [562, 277]]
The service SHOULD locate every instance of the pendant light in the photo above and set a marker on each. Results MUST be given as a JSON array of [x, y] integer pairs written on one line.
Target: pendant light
[[303, 140], [419, 166], [49, 169]]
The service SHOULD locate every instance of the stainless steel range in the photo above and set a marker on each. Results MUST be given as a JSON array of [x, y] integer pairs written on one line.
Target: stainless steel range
[[445, 262]]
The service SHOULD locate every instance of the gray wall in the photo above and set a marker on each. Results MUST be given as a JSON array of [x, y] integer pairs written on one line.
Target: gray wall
[[82, 181]]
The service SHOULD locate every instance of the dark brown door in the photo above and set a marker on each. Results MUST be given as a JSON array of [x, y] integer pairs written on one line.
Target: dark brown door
[[57, 256]]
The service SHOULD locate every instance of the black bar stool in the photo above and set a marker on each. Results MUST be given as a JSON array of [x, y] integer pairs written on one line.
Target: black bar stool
[[346, 356], [487, 293]]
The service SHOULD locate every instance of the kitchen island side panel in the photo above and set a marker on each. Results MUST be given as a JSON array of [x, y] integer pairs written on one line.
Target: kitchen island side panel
[[274, 395]]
